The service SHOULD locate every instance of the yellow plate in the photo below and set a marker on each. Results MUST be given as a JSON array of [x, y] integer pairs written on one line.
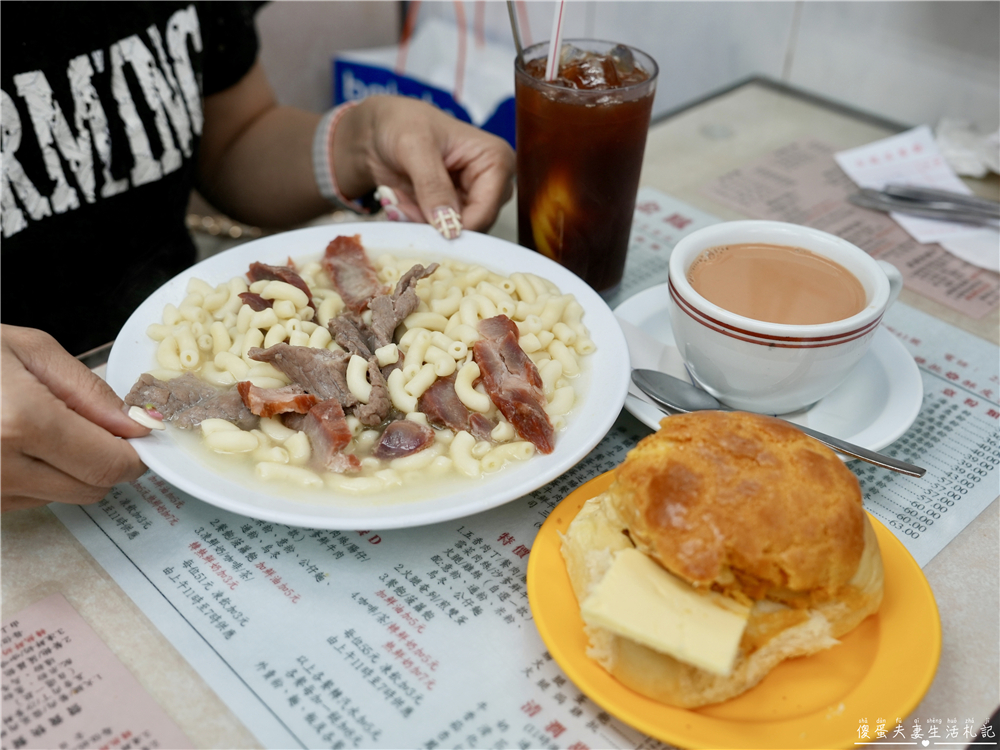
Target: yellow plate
[[879, 672]]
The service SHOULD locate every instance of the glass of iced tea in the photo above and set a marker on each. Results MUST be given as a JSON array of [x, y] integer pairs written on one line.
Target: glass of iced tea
[[580, 140]]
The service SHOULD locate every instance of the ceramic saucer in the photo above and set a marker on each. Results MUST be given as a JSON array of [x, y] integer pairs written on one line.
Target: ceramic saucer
[[877, 403]]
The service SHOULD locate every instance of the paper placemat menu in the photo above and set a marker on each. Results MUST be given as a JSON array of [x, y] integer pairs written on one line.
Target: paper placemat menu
[[956, 437], [319, 638], [424, 637], [802, 184]]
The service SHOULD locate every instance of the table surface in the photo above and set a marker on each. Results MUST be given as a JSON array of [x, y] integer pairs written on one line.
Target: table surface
[[685, 150]]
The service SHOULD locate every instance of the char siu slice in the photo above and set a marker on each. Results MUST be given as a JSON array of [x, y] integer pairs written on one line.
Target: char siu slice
[[352, 273], [266, 402], [512, 381], [328, 433]]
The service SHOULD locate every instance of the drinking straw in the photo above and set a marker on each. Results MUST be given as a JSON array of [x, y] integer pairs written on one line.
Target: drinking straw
[[524, 22], [516, 31], [462, 44], [404, 37], [479, 24], [555, 42]]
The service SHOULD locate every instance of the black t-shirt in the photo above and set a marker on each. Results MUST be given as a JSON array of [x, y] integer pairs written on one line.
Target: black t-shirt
[[101, 121]]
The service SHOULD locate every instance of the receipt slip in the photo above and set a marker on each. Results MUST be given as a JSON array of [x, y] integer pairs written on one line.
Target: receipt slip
[[639, 600]]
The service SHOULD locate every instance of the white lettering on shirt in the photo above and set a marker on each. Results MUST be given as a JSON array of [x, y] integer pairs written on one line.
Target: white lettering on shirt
[[47, 118], [14, 178], [184, 25], [90, 113], [169, 89]]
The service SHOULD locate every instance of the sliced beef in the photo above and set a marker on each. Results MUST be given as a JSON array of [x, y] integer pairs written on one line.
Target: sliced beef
[[293, 421], [264, 272], [444, 408], [169, 396], [321, 372], [389, 310], [398, 364], [255, 301], [351, 335], [403, 438], [328, 433], [409, 279], [385, 318], [512, 381], [379, 404], [266, 402], [226, 405], [351, 272]]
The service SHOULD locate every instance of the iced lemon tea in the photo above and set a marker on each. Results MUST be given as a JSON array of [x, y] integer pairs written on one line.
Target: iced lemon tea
[[580, 140]]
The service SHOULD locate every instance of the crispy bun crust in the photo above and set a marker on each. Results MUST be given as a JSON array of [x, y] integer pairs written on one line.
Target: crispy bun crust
[[744, 503], [774, 632]]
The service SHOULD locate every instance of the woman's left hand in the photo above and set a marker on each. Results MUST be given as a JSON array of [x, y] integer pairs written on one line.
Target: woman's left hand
[[438, 167]]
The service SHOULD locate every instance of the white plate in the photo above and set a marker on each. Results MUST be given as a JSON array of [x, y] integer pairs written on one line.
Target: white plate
[[134, 353], [875, 405]]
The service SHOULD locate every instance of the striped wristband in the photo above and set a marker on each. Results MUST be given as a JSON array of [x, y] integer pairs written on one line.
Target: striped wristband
[[322, 159]]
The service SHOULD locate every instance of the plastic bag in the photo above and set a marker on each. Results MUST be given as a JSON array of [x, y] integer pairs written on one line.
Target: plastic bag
[[442, 63]]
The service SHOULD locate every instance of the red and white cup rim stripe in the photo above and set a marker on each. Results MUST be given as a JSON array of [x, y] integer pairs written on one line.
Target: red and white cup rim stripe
[[764, 339]]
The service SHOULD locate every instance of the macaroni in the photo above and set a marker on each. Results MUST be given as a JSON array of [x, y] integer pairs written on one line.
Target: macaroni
[[468, 395], [460, 451], [402, 400], [211, 332], [497, 457], [357, 379]]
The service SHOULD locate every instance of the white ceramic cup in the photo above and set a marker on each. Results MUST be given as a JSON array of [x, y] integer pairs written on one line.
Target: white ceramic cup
[[773, 368]]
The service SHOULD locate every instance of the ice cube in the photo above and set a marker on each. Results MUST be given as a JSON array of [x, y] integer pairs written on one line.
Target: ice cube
[[570, 54], [592, 72], [623, 59]]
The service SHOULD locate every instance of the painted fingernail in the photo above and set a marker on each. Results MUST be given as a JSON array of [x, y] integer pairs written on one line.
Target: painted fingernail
[[446, 220], [148, 417], [390, 204]]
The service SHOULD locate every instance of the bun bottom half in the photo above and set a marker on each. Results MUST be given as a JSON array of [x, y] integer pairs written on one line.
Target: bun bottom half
[[774, 631]]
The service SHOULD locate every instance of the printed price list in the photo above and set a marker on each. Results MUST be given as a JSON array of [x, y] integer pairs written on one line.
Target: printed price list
[[956, 437], [325, 638], [360, 638]]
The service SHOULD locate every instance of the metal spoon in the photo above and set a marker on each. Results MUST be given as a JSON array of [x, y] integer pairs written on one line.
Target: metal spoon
[[672, 393]]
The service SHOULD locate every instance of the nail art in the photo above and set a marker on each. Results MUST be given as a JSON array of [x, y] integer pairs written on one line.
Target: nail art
[[446, 220], [390, 204]]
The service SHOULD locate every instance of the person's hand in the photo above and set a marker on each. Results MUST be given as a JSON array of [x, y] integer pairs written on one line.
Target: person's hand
[[433, 162], [60, 426], [255, 159]]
